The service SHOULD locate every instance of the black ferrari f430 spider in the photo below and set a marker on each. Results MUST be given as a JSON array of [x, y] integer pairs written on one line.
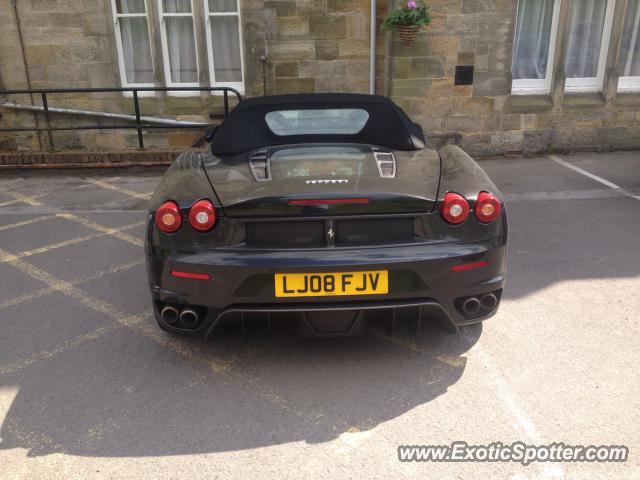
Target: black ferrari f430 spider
[[329, 208]]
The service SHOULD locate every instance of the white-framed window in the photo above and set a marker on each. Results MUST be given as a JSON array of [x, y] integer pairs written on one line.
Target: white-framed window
[[589, 30], [224, 42], [534, 46], [179, 51], [133, 43], [629, 58]]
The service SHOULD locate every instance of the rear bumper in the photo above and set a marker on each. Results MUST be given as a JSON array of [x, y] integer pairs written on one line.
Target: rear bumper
[[420, 281]]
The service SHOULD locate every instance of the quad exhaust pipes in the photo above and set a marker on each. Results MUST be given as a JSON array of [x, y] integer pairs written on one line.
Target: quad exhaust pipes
[[489, 301], [472, 305], [170, 314], [187, 318]]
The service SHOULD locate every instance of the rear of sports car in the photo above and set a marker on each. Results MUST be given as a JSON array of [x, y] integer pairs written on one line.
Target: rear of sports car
[[332, 234]]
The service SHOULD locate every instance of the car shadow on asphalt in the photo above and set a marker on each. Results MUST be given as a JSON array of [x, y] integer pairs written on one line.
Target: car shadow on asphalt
[[124, 395]]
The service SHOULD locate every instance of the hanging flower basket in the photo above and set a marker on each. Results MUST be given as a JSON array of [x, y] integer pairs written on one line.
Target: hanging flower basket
[[407, 33], [408, 20]]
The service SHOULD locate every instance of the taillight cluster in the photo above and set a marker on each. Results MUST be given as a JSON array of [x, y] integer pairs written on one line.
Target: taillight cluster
[[202, 216], [455, 208]]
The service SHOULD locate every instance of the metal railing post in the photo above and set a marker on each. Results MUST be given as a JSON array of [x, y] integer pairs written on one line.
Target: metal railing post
[[45, 105], [137, 109], [139, 126]]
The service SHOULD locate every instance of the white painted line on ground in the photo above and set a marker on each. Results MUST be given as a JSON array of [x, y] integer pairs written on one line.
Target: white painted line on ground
[[116, 188], [16, 199], [520, 416], [46, 291], [26, 222], [114, 232], [598, 179]]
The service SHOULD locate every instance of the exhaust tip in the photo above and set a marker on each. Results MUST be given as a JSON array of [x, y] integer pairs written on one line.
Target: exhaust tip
[[170, 314], [189, 318], [489, 301], [471, 306]]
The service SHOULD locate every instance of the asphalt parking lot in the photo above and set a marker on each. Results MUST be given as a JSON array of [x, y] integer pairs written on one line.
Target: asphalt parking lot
[[90, 387]]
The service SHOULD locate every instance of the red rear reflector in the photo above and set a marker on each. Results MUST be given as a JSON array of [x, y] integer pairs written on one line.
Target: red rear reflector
[[191, 275], [469, 266], [329, 201]]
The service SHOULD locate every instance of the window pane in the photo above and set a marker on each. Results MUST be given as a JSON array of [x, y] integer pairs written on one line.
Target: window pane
[[585, 38], [323, 162], [136, 50], [176, 6], [225, 41], [223, 5], [629, 60], [182, 51], [344, 121], [531, 46], [130, 6]]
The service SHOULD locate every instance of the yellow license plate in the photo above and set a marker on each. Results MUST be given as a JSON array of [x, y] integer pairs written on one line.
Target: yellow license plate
[[329, 284]]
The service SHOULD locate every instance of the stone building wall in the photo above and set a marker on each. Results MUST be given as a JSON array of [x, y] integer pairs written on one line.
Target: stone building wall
[[293, 46], [484, 118]]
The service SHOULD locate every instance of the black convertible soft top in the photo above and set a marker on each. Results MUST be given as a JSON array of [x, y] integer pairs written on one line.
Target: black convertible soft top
[[245, 128]]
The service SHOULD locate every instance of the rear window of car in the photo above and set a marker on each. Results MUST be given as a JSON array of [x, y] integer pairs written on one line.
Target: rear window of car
[[329, 121], [322, 161]]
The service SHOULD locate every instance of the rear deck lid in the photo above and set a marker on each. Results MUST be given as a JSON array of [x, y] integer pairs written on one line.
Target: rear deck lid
[[321, 179]]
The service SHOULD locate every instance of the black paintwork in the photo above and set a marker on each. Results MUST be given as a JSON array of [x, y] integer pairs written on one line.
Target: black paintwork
[[242, 270]]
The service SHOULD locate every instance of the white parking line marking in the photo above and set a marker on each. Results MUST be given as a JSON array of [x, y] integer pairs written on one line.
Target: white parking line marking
[[21, 199], [100, 183], [63, 347], [29, 200], [114, 232], [598, 179], [26, 222], [45, 291], [74, 241], [509, 399]]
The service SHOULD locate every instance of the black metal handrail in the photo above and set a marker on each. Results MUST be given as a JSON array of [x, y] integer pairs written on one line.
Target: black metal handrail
[[139, 126]]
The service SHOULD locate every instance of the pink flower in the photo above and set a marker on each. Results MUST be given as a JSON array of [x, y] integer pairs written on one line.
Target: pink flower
[[412, 4]]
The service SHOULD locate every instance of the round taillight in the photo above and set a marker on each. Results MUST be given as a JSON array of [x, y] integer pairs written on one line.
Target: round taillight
[[168, 217], [454, 209], [202, 215], [487, 207]]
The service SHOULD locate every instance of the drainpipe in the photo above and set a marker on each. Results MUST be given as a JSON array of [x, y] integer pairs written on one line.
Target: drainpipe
[[14, 4], [372, 50]]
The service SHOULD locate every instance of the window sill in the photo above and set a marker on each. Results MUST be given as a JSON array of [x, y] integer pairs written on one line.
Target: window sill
[[589, 88], [531, 103], [628, 99], [623, 90], [583, 99], [140, 94], [183, 93], [529, 91]]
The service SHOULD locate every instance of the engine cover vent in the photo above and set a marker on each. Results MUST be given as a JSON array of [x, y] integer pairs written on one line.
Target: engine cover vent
[[259, 164], [386, 162]]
